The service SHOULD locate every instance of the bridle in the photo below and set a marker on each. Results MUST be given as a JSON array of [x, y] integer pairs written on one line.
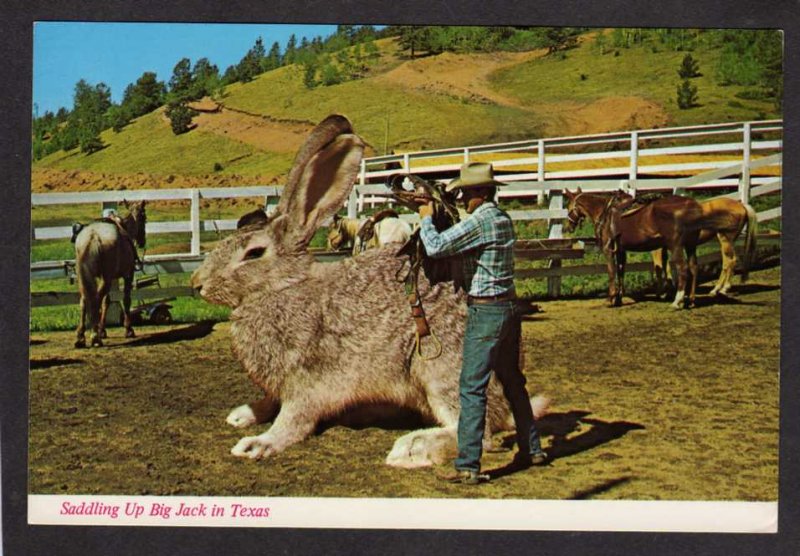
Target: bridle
[[575, 220]]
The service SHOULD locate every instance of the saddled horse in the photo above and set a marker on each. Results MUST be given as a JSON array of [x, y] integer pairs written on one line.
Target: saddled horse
[[671, 222], [379, 229], [105, 252], [741, 214]]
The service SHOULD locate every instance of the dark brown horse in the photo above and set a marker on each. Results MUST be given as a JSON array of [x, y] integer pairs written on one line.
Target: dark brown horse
[[105, 252], [671, 222]]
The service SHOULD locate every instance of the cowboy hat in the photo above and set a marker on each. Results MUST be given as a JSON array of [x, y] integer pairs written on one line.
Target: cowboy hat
[[474, 174]]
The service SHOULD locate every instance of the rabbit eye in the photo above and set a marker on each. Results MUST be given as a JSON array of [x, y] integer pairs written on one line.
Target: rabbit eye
[[254, 253]]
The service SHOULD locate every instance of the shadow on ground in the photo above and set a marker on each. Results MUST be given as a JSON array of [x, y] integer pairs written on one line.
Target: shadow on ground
[[191, 332], [53, 362], [560, 425]]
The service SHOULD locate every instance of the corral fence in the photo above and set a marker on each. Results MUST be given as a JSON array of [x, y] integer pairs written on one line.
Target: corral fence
[[741, 160]]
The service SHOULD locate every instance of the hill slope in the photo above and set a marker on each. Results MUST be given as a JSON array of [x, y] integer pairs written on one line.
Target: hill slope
[[428, 102]]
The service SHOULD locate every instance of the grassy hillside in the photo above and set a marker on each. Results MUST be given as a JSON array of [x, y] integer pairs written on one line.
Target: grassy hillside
[[428, 102], [416, 119], [637, 71], [148, 145]]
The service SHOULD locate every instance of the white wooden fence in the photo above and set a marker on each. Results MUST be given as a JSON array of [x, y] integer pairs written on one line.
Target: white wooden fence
[[538, 168]]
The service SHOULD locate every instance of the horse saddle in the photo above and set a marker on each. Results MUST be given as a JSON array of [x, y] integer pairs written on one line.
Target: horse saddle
[[367, 230]]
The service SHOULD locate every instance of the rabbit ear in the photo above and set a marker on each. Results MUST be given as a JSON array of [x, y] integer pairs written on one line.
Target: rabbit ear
[[321, 136], [325, 170]]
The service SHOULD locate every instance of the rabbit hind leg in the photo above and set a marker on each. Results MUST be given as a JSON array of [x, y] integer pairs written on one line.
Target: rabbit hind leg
[[423, 448]]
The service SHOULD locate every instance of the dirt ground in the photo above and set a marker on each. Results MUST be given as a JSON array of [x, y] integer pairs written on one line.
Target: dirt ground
[[648, 404]]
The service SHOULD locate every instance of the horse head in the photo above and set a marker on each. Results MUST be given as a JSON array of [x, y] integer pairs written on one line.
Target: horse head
[[576, 212], [336, 233], [135, 221]]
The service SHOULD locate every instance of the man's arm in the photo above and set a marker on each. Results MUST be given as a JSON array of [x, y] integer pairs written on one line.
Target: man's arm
[[463, 237]]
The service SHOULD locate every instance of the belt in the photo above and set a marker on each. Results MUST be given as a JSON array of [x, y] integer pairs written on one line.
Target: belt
[[509, 296]]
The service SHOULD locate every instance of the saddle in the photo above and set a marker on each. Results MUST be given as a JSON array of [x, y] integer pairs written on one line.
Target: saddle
[[445, 214], [77, 227], [367, 230]]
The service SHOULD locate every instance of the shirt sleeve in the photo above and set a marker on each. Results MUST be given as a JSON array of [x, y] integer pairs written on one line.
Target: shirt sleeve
[[455, 240]]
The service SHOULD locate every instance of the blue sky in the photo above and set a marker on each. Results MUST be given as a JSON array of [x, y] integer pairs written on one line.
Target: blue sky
[[118, 53]]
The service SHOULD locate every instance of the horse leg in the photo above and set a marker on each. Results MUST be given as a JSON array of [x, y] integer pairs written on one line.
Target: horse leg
[[126, 305], [680, 264], [611, 265], [80, 341], [728, 265], [691, 255], [98, 313], [104, 301], [620, 257]]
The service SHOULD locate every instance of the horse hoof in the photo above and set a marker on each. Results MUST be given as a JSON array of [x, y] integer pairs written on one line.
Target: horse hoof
[[130, 334], [80, 344], [97, 342], [103, 334]]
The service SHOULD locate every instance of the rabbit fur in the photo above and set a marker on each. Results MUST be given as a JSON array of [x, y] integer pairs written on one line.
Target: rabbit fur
[[327, 340]]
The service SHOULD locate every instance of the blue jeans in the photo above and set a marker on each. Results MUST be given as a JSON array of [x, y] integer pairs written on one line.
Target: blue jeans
[[492, 343]]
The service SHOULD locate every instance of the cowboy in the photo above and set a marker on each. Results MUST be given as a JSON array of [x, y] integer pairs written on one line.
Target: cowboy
[[484, 241]]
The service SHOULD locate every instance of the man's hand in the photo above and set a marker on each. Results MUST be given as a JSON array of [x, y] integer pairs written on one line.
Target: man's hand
[[425, 210]]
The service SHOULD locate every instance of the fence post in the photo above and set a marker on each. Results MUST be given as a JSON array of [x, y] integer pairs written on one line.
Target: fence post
[[540, 171], [352, 204], [195, 218], [362, 175], [466, 155], [634, 155], [407, 163], [554, 282], [744, 183]]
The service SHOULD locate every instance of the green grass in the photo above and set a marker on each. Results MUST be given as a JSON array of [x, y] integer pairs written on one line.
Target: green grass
[[637, 71], [148, 145], [65, 317], [415, 119]]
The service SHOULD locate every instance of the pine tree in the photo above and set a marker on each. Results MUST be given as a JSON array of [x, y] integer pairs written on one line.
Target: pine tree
[[689, 68], [180, 85], [687, 95]]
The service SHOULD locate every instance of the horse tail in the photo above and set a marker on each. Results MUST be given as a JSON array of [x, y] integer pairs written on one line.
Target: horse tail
[[749, 241], [87, 269]]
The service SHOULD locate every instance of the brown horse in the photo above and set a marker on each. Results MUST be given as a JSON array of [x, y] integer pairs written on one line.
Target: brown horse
[[671, 222], [105, 252], [741, 214]]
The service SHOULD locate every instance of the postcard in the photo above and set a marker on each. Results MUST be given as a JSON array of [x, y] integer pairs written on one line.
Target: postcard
[[240, 316]]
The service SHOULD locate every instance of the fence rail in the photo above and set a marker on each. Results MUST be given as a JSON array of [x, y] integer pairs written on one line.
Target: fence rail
[[534, 168]]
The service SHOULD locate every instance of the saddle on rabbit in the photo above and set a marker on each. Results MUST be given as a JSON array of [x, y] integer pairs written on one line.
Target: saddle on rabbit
[[325, 340]]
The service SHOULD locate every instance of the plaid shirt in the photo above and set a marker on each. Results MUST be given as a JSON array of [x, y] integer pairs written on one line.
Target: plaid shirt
[[485, 241]]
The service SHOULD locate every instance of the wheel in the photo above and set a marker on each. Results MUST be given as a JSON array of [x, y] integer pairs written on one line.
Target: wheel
[[160, 315]]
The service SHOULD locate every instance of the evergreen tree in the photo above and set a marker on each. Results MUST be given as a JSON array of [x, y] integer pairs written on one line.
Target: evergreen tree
[[144, 96], [180, 116], [414, 38], [689, 68], [88, 115], [310, 73], [205, 79], [180, 85], [273, 59], [291, 50], [687, 95], [117, 117]]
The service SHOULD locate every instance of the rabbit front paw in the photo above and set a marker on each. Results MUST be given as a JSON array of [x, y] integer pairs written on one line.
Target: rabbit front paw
[[241, 417], [253, 447]]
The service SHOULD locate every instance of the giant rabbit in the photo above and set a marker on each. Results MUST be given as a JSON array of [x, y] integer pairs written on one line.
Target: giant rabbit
[[324, 340]]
